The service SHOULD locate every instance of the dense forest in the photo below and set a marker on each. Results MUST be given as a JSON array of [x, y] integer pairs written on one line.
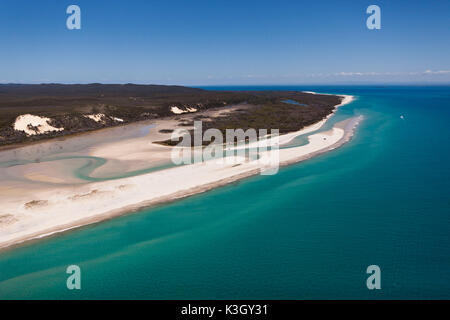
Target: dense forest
[[67, 106]]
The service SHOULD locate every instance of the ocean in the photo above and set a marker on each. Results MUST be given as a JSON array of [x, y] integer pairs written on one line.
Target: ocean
[[308, 232]]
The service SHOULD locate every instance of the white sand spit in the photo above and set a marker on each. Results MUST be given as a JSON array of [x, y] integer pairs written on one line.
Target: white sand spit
[[38, 212]]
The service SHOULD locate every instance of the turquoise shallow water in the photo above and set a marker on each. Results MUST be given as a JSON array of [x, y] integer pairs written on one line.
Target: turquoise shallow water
[[308, 232]]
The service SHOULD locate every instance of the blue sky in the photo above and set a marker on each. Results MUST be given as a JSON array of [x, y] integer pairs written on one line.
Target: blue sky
[[225, 42]]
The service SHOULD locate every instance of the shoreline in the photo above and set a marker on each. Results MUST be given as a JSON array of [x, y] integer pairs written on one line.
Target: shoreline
[[209, 177]]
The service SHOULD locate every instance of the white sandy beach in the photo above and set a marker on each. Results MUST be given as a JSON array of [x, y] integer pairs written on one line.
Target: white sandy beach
[[39, 199]]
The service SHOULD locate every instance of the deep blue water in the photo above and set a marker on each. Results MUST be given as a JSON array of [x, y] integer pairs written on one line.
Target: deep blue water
[[308, 232]]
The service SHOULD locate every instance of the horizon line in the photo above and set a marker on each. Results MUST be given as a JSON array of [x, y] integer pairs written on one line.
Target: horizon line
[[238, 84]]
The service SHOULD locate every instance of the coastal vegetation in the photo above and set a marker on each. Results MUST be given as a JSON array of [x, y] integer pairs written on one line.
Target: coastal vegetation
[[85, 107]]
